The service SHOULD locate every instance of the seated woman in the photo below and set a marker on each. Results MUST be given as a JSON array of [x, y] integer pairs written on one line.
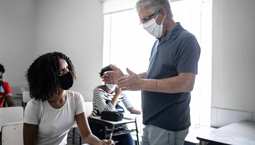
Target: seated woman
[[108, 97], [53, 109], [5, 91]]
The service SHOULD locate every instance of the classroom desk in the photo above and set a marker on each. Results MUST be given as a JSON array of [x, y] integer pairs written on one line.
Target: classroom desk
[[240, 133], [110, 125]]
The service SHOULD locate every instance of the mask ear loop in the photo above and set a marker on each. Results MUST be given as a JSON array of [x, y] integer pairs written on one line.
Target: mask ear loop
[[163, 19], [161, 24]]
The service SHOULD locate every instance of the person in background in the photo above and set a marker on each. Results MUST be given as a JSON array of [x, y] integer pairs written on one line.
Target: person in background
[[54, 109], [5, 91], [109, 97], [167, 83]]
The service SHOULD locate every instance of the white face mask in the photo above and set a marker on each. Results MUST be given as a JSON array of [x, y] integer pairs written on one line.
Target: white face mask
[[111, 87], [153, 28]]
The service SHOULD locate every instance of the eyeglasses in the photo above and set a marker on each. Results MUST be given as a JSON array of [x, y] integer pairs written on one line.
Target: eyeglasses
[[147, 18]]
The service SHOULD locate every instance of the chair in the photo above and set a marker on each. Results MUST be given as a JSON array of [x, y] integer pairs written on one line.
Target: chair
[[10, 115], [12, 134], [113, 128]]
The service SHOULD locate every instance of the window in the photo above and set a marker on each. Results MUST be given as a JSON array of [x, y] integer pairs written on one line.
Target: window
[[127, 44]]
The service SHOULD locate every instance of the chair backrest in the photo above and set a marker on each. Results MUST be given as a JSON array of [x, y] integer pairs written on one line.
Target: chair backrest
[[12, 134], [11, 115], [88, 105]]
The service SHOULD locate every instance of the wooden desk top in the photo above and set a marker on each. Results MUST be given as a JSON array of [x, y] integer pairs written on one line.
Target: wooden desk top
[[240, 133]]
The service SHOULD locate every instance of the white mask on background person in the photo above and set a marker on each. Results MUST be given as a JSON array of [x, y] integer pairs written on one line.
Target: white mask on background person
[[153, 28], [111, 87]]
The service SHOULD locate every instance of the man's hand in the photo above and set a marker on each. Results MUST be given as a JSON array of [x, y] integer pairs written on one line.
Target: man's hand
[[130, 82], [112, 77]]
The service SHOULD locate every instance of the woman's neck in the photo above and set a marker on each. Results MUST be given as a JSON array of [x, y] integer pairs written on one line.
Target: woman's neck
[[58, 100]]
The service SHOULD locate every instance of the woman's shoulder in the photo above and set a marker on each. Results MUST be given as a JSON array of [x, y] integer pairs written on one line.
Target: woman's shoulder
[[34, 104], [73, 95]]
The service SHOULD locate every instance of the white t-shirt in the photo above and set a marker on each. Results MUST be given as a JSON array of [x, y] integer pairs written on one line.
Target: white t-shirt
[[53, 123]]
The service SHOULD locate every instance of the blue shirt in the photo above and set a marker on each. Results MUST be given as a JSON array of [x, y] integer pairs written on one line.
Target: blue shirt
[[177, 52]]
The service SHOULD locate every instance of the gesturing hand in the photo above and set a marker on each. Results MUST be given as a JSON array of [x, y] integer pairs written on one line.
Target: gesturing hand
[[130, 82]]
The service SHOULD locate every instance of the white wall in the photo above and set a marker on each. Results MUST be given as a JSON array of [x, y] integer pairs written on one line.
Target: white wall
[[74, 27], [233, 79], [17, 38]]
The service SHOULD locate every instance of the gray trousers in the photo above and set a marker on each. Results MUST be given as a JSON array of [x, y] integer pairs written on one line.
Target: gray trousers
[[153, 135]]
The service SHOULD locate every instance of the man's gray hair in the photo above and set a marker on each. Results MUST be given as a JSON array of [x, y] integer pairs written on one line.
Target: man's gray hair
[[154, 5]]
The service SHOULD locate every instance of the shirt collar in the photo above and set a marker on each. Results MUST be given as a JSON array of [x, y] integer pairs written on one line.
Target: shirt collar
[[172, 33]]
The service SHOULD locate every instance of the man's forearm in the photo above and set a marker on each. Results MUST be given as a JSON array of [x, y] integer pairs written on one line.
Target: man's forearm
[[142, 75], [177, 84]]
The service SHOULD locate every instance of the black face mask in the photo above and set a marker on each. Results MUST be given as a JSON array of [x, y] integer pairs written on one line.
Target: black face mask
[[66, 81]]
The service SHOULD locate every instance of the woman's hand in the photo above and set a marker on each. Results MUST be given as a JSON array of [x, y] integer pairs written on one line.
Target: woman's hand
[[116, 96], [117, 91], [107, 142]]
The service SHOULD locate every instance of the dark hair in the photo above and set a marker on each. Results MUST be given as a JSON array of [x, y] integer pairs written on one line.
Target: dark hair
[[2, 68], [42, 75], [105, 69]]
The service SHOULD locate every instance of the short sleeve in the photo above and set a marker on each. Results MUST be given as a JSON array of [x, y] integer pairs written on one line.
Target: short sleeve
[[32, 112], [188, 55], [79, 101], [7, 88]]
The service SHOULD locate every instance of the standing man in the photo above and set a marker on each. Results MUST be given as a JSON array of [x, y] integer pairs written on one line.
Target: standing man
[[167, 83]]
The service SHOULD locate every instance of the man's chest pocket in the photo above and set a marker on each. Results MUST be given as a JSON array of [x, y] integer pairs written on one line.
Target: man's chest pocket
[[167, 63]]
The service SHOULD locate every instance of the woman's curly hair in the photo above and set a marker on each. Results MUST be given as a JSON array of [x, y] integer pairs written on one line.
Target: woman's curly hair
[[42, 75]]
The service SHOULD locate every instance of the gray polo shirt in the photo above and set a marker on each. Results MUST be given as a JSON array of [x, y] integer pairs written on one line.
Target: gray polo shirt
[[177, 52]]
